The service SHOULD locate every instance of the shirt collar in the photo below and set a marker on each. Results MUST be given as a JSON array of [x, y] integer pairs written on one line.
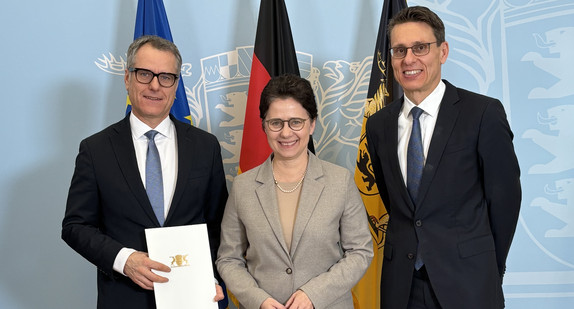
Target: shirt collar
[[430, 104], [139, 128]]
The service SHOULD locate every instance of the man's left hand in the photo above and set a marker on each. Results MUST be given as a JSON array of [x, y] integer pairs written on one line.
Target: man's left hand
[[218, 293]]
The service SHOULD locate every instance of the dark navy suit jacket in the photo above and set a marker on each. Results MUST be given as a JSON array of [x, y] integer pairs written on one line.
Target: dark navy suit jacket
[[467, 206], [108, 208]]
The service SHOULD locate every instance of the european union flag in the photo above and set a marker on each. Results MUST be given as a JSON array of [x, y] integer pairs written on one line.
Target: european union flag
[[151, 19]]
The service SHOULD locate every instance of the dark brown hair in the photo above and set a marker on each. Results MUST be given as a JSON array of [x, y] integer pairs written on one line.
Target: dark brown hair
[[419, 14], [288, 86]]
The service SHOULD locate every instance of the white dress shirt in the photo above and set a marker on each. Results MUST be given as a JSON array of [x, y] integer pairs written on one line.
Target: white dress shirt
[[166, 142], [430, 106]]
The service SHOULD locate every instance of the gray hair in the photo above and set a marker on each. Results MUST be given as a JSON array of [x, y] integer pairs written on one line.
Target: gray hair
[[156, 42]]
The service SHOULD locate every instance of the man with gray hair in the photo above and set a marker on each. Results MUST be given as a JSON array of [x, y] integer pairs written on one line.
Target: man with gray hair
[[146, 171]]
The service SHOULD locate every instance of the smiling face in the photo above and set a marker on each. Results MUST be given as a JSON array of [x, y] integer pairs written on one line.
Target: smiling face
[[151, 102], [288, 144], [418, 75]]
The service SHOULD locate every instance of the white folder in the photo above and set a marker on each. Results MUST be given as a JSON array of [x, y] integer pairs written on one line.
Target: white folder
[[186, 250]]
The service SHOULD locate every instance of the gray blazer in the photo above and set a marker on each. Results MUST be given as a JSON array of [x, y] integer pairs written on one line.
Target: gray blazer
[[331, 247]]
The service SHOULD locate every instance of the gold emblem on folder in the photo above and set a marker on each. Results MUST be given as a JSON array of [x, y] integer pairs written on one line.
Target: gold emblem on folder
[[179, 260]]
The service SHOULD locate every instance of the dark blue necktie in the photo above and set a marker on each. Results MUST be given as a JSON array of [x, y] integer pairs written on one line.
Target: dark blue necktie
[[153, 177], [415, 165], [415, 156]]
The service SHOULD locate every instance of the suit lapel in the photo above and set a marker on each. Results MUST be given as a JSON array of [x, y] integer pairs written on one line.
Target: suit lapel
[[185, 159], [447, 115], [392, 127], [124, 150], [310, 193], [265, 192]]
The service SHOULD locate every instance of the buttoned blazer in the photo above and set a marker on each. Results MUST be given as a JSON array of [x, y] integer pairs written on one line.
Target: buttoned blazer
[[108, 208], [467, 206], [331, 246]]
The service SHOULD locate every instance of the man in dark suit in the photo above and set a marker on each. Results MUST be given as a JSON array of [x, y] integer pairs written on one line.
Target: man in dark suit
[[447, 173], [108, 207]]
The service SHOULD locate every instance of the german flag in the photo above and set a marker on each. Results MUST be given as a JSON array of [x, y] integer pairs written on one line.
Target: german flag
[[273, 55]]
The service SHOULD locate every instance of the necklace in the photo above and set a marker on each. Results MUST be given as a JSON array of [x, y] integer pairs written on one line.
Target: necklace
[[296, 186]]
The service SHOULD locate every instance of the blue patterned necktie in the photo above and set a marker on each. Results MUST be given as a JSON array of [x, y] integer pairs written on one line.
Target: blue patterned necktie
[[153, 177], [415, 156], [415, 165]]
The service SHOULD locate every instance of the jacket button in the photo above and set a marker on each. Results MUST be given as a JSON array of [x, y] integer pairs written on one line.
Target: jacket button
[[419, 223], [410, 256], [288, 271]]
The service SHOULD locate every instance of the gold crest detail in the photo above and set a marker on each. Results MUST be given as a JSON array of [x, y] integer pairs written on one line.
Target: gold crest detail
[[179, 260]]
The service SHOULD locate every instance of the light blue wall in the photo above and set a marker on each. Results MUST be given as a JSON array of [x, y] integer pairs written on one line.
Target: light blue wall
[[55, 91]]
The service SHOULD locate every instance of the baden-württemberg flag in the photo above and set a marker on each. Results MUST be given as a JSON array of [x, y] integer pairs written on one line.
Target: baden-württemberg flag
[[151, 19], [383, 89]]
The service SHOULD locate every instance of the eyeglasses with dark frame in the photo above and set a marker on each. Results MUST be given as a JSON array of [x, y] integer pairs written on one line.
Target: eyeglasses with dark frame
[[420, 49], [145, 76], [277, 124]]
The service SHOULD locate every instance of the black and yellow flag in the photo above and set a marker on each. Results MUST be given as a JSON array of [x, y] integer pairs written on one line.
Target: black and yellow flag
[[383, 89]]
